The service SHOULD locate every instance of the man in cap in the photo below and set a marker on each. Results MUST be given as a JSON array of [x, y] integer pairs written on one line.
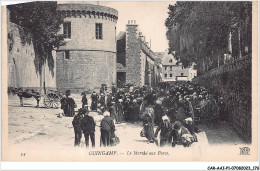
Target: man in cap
[[77, 126], [88, 127], [107, 129]]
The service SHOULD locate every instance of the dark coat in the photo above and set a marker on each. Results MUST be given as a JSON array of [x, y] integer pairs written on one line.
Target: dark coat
[[88, 124], [68, 104], [113, 112], [158, 112], [84, 101], [77, 121], [166, 129], [107, 124]]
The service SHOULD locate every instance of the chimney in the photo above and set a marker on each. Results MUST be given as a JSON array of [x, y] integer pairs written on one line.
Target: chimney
[[132, 22]]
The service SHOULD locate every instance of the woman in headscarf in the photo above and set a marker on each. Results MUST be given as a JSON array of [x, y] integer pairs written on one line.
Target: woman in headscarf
[[182, 135], [158, 112], [148, 121], [113, 112], [135, 110], [166, 128], [120, 111]]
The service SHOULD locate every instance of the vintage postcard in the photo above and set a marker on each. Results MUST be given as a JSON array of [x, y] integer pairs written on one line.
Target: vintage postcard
[[130, 81]]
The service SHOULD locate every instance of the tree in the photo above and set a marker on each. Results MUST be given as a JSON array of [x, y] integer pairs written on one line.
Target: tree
[[44, 21], [198, 31]]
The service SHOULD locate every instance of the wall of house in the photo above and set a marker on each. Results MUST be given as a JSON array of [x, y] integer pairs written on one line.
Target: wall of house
[[175, 71], [133, 55]]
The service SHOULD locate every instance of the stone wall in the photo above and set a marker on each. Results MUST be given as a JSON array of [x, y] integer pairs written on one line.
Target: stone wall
[[85, 70], [232, 81], [92, 61], [21, 69], [133, 56], [83, 34]]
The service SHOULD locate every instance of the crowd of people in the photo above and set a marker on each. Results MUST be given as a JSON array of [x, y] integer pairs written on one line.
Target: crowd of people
[[173, 108]]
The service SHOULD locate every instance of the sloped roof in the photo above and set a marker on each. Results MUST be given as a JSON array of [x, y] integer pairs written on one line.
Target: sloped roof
[[159, 54], [120, 35], [167, 59]]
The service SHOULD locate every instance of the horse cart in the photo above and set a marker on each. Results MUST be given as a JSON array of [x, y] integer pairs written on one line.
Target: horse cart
[[50, 100]]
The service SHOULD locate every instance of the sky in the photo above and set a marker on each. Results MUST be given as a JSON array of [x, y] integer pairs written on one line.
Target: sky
[[150, 17]]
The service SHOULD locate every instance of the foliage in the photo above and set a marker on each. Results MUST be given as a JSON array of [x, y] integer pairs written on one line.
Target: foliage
[[198, 31], [43, 21]]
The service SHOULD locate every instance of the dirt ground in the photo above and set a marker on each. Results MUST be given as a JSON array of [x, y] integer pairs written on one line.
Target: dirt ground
[[41, 128]]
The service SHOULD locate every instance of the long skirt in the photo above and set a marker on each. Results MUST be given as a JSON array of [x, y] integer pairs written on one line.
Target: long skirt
[[149, 131]]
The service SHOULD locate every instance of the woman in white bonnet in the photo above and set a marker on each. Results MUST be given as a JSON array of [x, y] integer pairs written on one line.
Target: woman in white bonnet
[[166, 129]]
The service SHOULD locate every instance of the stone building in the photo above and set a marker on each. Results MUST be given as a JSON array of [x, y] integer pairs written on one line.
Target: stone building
[[20, 59], [89, 57], [172, 71], [135, 60]]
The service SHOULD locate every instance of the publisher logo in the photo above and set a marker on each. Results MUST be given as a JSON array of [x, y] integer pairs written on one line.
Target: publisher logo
[[244, 151]]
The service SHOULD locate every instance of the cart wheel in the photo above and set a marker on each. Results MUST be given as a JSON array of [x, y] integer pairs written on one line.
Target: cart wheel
[[52, 100]]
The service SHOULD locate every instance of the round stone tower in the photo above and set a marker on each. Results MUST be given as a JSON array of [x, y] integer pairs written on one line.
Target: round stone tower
[[88, 59]]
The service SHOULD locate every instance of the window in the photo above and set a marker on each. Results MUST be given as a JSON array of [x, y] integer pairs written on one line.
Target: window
[[181, 74], [165, 75], [99, 31], [158, 67], [166, 68], [67, 54], [170, 75], [170, 60], [67, 29], [170, 68]]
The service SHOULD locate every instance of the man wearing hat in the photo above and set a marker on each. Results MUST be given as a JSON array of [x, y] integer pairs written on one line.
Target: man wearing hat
[[88, 127], [84, 99], [94, 98], [77, 126], [68, 105], [107, 129]]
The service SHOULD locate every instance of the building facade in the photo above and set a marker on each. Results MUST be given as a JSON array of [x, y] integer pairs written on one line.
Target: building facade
[[172, 71], [135, 60], [88, 59]]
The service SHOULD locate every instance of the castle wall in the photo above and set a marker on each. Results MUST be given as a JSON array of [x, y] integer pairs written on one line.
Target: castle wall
[[21, 55], [92, 61], [85, 70]]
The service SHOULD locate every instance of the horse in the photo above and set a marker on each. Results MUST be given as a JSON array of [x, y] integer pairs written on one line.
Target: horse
[[28, 93]]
